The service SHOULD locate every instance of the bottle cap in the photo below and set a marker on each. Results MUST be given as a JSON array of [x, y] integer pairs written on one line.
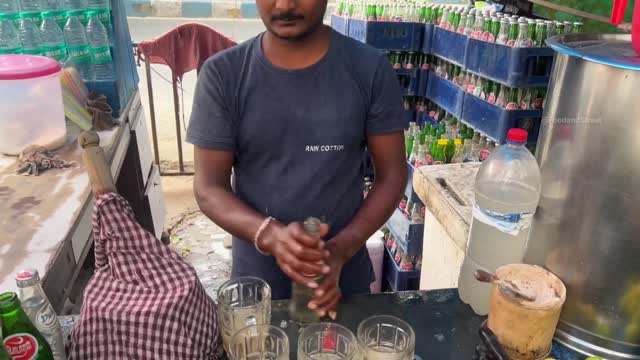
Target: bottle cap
[[517, 135], [443, 142], [27, 277], [457, 141]]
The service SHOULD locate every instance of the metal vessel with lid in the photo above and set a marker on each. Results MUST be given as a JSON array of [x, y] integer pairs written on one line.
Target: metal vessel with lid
[[586, 229]]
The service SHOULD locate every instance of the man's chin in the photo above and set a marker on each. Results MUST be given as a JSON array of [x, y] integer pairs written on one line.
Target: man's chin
[[289, 34]]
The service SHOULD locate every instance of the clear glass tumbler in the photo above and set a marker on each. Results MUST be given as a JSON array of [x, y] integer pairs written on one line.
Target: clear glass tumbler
[[242, 302], [326, 341], [259, 342], [386, 338]]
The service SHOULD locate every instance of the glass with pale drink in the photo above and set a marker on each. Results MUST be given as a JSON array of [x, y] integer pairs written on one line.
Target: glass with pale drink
[[259, 342], [386, 338], [242, 302]]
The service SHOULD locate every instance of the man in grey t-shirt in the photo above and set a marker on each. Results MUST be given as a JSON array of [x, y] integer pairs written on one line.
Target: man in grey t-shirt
[[291, 112]]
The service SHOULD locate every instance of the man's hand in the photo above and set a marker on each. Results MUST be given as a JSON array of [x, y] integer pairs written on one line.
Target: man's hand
[[296, 251], [328, 295]]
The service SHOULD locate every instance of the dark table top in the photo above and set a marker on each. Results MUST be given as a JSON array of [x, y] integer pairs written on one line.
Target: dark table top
[[446, 328]]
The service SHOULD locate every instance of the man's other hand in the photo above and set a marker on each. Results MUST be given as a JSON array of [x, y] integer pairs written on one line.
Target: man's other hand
[[296, 251]]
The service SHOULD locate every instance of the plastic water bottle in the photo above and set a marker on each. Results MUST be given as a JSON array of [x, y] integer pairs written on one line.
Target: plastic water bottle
[[76, 5], [8, 7], [70, 5], [105, 18], [9, 40], [507, 191], [98, 4], [32, 9], [77, 45], [52, 38], [30, 35], [100, 51]]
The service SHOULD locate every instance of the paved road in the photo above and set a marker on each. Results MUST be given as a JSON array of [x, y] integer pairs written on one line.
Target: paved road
[[149, 28]]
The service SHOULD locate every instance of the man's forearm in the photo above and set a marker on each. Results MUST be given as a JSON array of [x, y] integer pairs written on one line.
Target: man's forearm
[[225, 209], [380, 203]]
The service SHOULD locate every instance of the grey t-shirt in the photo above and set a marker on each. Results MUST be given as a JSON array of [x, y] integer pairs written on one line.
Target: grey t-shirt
[[299, 137]]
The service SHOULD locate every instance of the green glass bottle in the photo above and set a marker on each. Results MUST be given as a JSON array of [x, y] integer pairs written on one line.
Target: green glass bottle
[[20, 337], [300, 294]]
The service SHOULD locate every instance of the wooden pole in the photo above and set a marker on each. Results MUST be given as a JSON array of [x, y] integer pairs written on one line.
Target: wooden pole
[[96, 163]]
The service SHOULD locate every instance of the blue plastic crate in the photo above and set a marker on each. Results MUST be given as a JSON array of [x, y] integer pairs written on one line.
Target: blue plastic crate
[[409, 116], [427, 38], [409, 81], [340, 24], [397, 279], [446, 94], [449, 45], [409, 236], [514, 67], [495, 122], [423, 79], [408, 190], [393, 36]]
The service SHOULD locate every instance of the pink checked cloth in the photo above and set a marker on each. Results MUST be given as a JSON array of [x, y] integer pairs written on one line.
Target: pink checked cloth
[[144, 301]]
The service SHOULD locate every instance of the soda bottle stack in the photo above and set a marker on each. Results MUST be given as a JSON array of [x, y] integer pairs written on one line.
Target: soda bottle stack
[[444, 139], [493, 92], [380, 10], [56, 29], [404, 261], [492, 26]]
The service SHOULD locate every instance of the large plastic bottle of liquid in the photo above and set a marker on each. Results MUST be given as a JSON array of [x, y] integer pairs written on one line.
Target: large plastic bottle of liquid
[[9, 40], [507, 191], [100, 51], [77, 45], [53, 38], [30, 35]]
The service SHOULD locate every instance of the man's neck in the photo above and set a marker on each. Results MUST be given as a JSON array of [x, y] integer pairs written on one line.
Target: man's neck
[[294, 55]]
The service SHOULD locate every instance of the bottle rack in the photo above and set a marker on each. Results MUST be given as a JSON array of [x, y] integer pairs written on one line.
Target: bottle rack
[[396, 36], [512, 67], [397, 279]]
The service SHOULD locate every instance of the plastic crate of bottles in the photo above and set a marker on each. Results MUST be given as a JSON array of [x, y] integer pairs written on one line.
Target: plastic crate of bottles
[[449, 45], [397, 36], [340, 24], [408, 236], [409, 81], [495, 121], [408, 191], [423, 80], [512, 66], [427, 38], [397, 279], [446, 94]]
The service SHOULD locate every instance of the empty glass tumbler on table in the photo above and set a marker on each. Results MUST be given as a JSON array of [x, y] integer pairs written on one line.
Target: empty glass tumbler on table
[[327, 341], [242, 302], [259, 342], [386, 338]]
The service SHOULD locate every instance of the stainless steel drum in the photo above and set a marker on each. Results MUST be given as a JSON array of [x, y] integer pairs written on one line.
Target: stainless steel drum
[[587, 227]]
